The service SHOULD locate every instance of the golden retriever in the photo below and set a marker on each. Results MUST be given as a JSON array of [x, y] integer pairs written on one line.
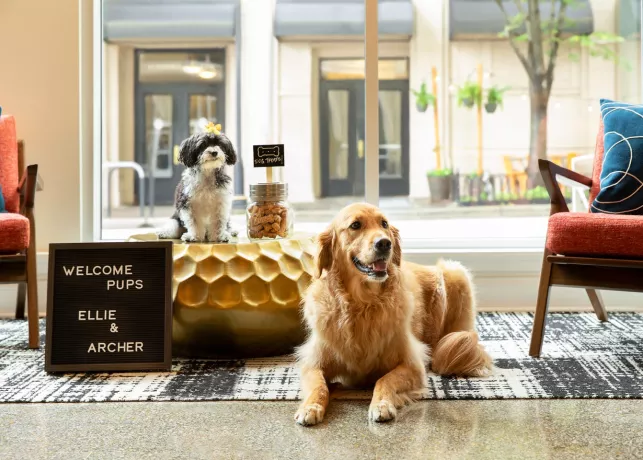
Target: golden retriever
[[373, 318]]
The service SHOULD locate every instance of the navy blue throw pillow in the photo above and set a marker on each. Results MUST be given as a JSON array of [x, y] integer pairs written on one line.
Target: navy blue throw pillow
[[621, 190]]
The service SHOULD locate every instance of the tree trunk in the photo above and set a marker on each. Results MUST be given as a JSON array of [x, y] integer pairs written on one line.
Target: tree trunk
[[537, 135]]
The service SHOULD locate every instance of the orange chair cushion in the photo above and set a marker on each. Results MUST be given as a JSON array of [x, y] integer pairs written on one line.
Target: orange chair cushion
[[9, 163], [599, 153], [14, 232], [600, 235]]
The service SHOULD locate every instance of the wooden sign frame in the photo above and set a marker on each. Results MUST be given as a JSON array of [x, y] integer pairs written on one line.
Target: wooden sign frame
[[164, 365]]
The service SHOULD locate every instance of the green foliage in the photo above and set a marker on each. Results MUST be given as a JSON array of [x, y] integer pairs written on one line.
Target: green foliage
[[495, 95], [469, 94], [466, 199], [440, 172], [423, 97], [552, 26], [598, 45], [537, 193], [507, 196]]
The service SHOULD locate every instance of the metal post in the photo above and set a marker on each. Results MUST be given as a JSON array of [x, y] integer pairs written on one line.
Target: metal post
[[109, 192], [371, 96], [151, 194], [141, 187], [238, 168]]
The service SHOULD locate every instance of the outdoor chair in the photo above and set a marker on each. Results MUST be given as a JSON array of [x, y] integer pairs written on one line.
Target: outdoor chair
[[515, 167]]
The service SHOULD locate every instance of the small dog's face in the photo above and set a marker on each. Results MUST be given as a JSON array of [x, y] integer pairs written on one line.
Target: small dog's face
[[207, 151], [362, 241]]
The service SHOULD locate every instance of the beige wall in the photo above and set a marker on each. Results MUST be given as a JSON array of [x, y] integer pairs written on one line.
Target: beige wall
[[39, 84], [428, 48], [629, 81]]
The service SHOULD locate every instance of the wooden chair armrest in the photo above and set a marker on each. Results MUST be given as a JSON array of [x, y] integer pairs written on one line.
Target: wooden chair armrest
[[550, 172], [27, 186]]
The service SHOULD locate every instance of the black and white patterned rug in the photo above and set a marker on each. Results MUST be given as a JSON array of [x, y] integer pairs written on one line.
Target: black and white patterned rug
[[582, 358]]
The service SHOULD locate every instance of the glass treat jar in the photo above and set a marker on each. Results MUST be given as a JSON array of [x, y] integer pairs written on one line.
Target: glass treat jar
[[269, 215]]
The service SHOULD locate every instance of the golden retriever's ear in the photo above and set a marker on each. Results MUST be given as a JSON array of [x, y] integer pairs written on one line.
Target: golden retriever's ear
[[397, 247], [324, 251]]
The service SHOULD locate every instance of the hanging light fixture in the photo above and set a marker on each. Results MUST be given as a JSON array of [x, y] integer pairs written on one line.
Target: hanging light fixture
[[208, 72], [192, 67]]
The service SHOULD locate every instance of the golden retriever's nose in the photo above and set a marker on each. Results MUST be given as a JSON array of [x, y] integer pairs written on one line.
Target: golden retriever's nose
[[383, 245]]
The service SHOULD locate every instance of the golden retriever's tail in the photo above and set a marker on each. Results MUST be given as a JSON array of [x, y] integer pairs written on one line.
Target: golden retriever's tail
[[460, 354], [458, 351]]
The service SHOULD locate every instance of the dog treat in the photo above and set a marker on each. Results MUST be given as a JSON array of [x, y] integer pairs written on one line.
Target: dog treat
[[268, 220]]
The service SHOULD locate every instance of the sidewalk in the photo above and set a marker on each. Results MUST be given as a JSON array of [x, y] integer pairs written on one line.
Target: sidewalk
[[446, 226], [395, 208]]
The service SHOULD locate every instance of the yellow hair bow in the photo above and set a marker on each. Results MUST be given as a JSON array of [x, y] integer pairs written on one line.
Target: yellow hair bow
[[212, 128]]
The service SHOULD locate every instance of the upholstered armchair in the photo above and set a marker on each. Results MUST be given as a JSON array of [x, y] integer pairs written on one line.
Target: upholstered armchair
[[18, 226], [586, 250]]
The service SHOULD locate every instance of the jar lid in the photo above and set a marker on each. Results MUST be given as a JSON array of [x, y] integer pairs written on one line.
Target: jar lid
[[272, 191]]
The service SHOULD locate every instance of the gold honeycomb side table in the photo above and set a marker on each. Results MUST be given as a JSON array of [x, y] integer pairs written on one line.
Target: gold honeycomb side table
[[239, 300]]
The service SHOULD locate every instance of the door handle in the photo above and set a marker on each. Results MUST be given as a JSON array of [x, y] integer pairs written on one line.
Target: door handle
[[176, 155], [360, 149]]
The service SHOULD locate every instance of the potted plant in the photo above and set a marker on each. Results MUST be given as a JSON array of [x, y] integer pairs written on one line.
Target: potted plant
[[469, 94], [440, 184], [423, 99], [495, 96]]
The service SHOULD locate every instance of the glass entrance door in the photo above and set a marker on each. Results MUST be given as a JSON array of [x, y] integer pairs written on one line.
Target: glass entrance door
[[342, 138], [171, 106], [341, 126]]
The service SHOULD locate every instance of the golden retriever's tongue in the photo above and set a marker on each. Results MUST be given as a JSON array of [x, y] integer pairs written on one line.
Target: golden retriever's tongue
[[379, 266]]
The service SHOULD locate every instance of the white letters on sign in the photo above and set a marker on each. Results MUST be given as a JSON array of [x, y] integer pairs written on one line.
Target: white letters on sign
[[113, 347], [96, 315], [107, 270]]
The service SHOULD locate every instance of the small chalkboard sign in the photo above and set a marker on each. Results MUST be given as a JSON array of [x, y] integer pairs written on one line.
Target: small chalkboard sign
[[109, 307], [267, 156]]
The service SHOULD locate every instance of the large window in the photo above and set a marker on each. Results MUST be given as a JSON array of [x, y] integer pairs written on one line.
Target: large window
[[456, 125]]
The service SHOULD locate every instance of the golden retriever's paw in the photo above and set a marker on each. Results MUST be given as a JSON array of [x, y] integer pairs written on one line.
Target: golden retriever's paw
[[381, 411], [310, 414], [481, 372]]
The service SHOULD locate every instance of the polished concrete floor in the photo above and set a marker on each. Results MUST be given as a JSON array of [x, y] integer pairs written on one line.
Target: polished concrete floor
[[545, 429]]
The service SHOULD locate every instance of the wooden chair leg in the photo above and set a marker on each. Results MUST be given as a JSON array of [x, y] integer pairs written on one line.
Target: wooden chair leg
[[542, 305], [596, 299], [20, 301], [32, 293]]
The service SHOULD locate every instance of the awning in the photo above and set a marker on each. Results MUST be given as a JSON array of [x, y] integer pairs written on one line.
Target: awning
[[169, 19], [474, 19], [313, 18]]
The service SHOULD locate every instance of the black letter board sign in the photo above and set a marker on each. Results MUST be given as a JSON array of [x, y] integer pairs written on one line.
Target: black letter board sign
[[109, 307], [266, 156]]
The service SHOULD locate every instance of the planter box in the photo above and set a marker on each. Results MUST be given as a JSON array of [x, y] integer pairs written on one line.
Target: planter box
[[489, 189]]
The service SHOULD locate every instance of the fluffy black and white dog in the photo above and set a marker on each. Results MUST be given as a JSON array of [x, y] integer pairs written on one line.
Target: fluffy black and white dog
[[203, 197]]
